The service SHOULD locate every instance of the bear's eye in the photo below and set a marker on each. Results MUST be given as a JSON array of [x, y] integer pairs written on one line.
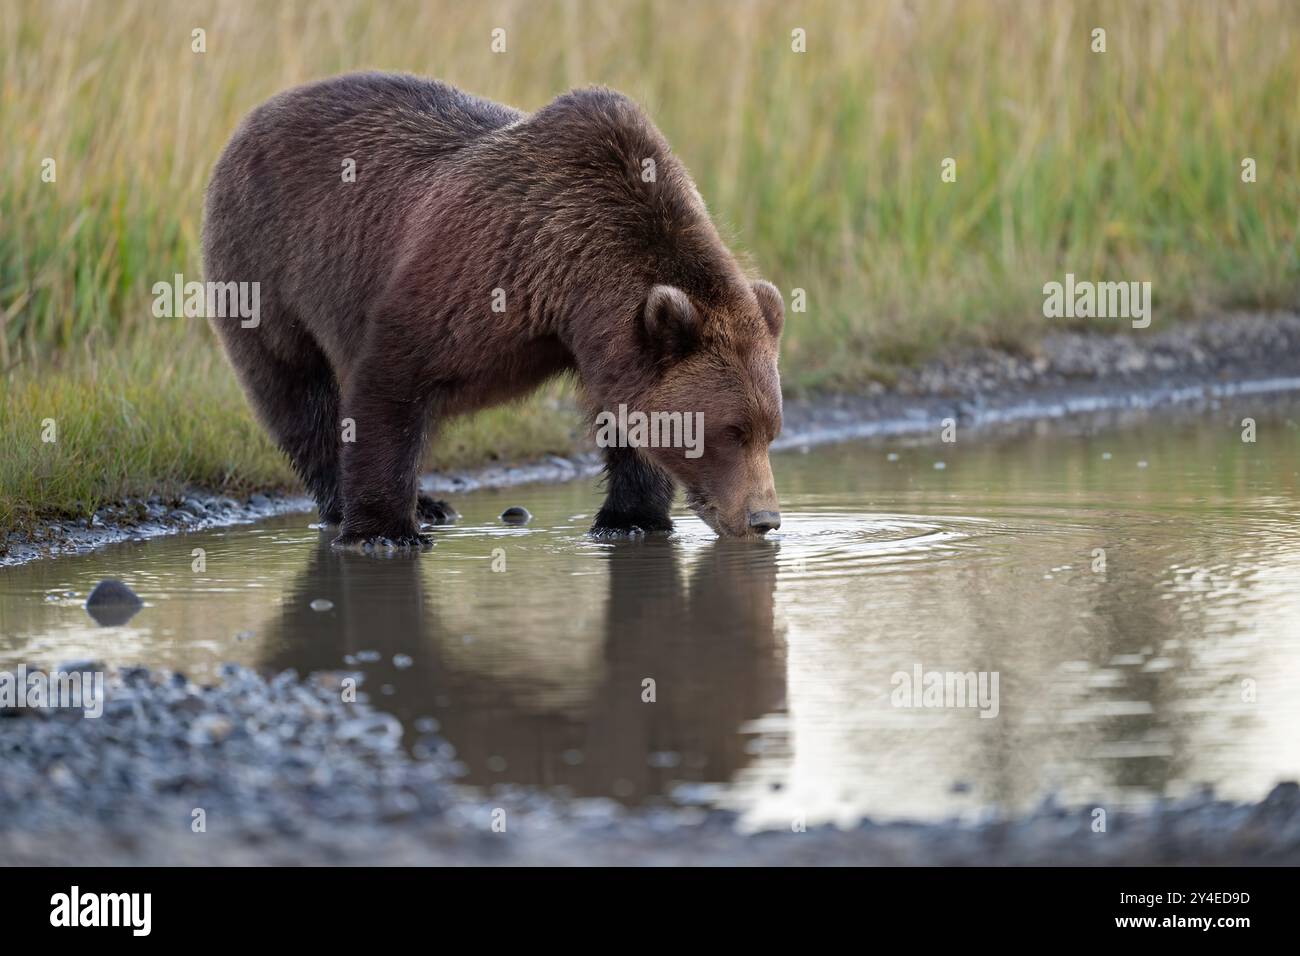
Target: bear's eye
[[736, 434]]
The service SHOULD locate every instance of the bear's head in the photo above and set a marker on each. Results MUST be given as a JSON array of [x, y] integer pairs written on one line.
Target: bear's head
[[717, 364]]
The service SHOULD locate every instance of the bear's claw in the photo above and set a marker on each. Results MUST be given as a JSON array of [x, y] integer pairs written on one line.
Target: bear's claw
[[378, 543], [621, 527]]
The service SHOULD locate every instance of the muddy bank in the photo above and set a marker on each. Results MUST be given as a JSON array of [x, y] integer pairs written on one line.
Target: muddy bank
[[284, 772], [1066, 375], [139, 520]]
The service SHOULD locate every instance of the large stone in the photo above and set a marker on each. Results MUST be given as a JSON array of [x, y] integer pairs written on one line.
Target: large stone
[[112, 603]]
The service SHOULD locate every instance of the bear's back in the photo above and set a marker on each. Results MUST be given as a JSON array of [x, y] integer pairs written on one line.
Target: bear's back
[[398, 113]]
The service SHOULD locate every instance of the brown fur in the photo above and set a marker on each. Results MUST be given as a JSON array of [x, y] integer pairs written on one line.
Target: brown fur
[[376, 295]]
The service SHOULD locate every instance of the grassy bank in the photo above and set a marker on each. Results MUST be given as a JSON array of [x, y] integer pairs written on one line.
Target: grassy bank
[[127, 424], [823, 166]]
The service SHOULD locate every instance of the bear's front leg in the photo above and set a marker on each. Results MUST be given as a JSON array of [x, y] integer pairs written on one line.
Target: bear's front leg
[[639, 496], [381, 465]]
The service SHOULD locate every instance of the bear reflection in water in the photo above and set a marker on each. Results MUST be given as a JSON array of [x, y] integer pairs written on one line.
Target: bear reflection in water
[[701, 629]]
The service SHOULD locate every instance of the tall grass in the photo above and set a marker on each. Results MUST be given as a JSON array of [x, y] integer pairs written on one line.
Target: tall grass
[[823, 166]]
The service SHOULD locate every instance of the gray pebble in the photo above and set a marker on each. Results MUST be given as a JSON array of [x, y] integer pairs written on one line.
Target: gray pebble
[[516, 514]]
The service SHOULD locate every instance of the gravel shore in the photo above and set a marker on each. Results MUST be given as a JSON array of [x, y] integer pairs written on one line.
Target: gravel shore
[[284, 772]]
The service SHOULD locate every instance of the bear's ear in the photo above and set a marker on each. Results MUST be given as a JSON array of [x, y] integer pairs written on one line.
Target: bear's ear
[[669, 321], [773, 306]]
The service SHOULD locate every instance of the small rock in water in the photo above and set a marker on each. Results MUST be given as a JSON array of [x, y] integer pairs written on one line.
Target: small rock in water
[[320, 604], [112, 603], [516, 515]]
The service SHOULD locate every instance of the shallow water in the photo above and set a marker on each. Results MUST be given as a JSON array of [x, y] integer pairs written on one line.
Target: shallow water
[[775, 665]]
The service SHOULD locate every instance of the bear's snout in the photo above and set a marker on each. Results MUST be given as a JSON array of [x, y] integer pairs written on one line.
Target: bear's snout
[[761, 522]]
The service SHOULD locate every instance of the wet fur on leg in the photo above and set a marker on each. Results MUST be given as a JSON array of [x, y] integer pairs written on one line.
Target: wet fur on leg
[[639, 496]]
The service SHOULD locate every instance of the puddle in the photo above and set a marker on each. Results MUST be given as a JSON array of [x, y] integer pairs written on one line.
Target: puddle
[[1136, 593]]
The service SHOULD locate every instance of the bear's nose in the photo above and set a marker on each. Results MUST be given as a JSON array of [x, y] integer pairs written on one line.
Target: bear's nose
[[764, 521]]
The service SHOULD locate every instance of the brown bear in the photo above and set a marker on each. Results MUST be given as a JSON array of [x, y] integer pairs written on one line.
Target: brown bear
[[422, 253]]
